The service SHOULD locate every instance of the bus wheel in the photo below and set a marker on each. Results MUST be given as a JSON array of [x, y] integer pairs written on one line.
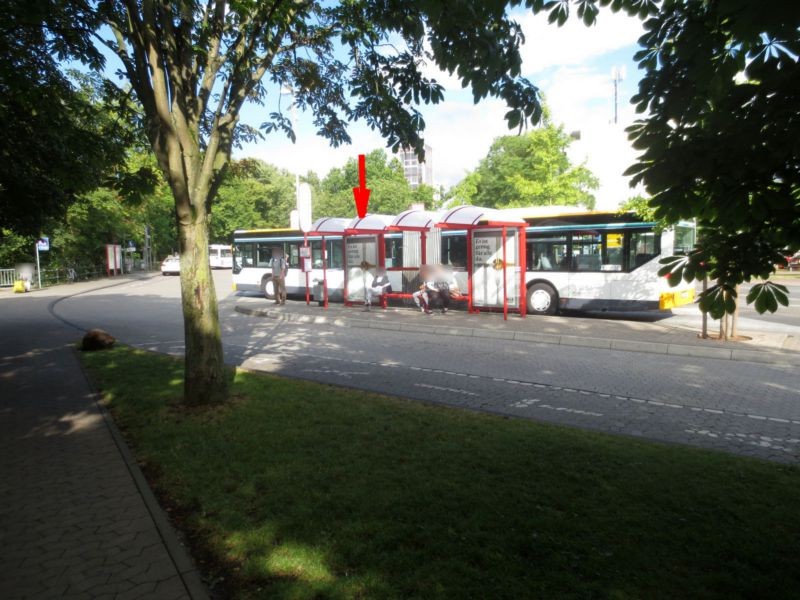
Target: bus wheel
[[268, 288], [542, 299]]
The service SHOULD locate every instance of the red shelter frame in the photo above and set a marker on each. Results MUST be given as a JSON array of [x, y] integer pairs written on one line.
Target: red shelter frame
[[368, 226], [471, 219], [322, 228]]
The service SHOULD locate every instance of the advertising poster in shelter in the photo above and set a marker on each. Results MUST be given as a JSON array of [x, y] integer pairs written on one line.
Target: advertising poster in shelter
[[487, 268], [362, 258]]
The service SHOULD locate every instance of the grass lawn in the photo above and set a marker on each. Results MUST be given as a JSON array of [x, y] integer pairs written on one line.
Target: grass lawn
[[300, 490]]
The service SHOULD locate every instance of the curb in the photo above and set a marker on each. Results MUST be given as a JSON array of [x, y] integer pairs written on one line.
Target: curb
[[179, 555], [737, 354]]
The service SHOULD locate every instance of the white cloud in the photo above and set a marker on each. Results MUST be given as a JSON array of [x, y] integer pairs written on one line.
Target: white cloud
[[571, 66], [547, 45]]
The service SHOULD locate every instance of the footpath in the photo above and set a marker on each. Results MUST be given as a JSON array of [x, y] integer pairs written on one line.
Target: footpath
[[653, 333], [77, 519]]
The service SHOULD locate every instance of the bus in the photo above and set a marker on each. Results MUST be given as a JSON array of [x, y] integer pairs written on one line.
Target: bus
[[574, 260], [220, 256], [599, 261], [252, 262]]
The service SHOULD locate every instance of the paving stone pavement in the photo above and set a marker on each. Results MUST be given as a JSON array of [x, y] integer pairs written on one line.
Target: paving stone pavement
[[73, 521]]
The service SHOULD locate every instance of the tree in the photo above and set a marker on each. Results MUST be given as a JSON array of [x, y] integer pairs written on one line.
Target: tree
[[254, 194], [532, 169], [57, 140], [390, 191], [192, 66], [719, 140]]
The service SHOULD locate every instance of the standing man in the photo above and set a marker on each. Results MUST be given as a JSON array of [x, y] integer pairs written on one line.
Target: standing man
[[279, 270]]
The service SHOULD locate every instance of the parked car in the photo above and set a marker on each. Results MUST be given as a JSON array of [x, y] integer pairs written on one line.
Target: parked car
[[794, 262], [171, 265]]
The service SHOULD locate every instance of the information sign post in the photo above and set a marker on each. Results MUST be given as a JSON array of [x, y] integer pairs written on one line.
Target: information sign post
[[42, 245]]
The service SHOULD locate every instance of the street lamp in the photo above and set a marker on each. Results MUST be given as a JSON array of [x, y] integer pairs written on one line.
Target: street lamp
[[617, 75], [288, 90]]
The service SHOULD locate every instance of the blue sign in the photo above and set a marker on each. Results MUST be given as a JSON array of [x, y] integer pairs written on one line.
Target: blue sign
[[43, 244]]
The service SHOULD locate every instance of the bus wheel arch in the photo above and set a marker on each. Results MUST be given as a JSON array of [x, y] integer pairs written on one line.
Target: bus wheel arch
[[268, 287], [542, 298]]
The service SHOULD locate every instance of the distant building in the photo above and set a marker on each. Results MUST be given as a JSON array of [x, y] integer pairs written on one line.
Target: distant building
[[415, 171]]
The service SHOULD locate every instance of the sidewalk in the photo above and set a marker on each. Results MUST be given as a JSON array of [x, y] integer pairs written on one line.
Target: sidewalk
[[77, 518], [644, 335]]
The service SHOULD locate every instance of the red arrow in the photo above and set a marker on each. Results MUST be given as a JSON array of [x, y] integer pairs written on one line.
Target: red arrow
[[361, 193]]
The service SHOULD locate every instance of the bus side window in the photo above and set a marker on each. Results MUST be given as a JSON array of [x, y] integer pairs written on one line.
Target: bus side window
[[293, 254], [335, 260], [644, 246], [263, 255]]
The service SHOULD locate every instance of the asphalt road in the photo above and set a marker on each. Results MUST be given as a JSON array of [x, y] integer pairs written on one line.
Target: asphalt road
[[745, 408]]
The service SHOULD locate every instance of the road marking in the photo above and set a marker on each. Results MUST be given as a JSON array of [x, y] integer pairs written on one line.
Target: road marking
[[525, 403], [539, 385], [534, 402], [751, 439], [444, 389], [345, 374], [574, 411]]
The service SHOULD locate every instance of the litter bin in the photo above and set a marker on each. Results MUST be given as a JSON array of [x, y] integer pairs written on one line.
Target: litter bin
[[318, 292]]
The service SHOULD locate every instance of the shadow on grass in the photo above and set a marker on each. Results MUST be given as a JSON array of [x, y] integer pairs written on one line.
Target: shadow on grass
[[301, 490]]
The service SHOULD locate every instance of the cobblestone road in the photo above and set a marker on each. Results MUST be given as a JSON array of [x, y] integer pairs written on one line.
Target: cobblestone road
[[745, 408]]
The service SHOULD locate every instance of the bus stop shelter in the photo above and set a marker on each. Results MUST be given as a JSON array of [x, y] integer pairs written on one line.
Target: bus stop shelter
[[495, 257], [416, 226], [322, 228], [363, 250]]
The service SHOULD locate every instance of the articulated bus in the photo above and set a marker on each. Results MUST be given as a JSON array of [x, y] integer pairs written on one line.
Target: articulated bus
[[591, 261]]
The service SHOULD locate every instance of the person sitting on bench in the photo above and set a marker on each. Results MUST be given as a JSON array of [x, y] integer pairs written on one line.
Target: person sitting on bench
[[380, 285]]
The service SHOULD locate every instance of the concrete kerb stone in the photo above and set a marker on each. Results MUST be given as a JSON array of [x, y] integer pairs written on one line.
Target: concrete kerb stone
[[416, 328], [699, 351], [493, 334], [637, 346], [542, 338], [765, 357], [746, 355], [586, 342], [460, 331]]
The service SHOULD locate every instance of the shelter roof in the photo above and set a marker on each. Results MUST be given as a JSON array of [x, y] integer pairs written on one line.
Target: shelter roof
[[369, 224], [332, 225], [415, 219], [473, 216]]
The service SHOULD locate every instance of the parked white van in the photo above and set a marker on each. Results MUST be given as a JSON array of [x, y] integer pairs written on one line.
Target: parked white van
[[220, 257]]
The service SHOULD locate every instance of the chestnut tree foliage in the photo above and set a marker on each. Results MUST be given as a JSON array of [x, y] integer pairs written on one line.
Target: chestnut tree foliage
[[719, 134]]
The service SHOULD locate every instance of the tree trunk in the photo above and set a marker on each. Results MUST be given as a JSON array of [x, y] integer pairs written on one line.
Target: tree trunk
[[205, 380], [735, 317], [704, 330]]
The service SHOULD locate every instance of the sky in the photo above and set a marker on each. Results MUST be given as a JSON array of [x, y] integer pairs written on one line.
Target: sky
[[571, 65]]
